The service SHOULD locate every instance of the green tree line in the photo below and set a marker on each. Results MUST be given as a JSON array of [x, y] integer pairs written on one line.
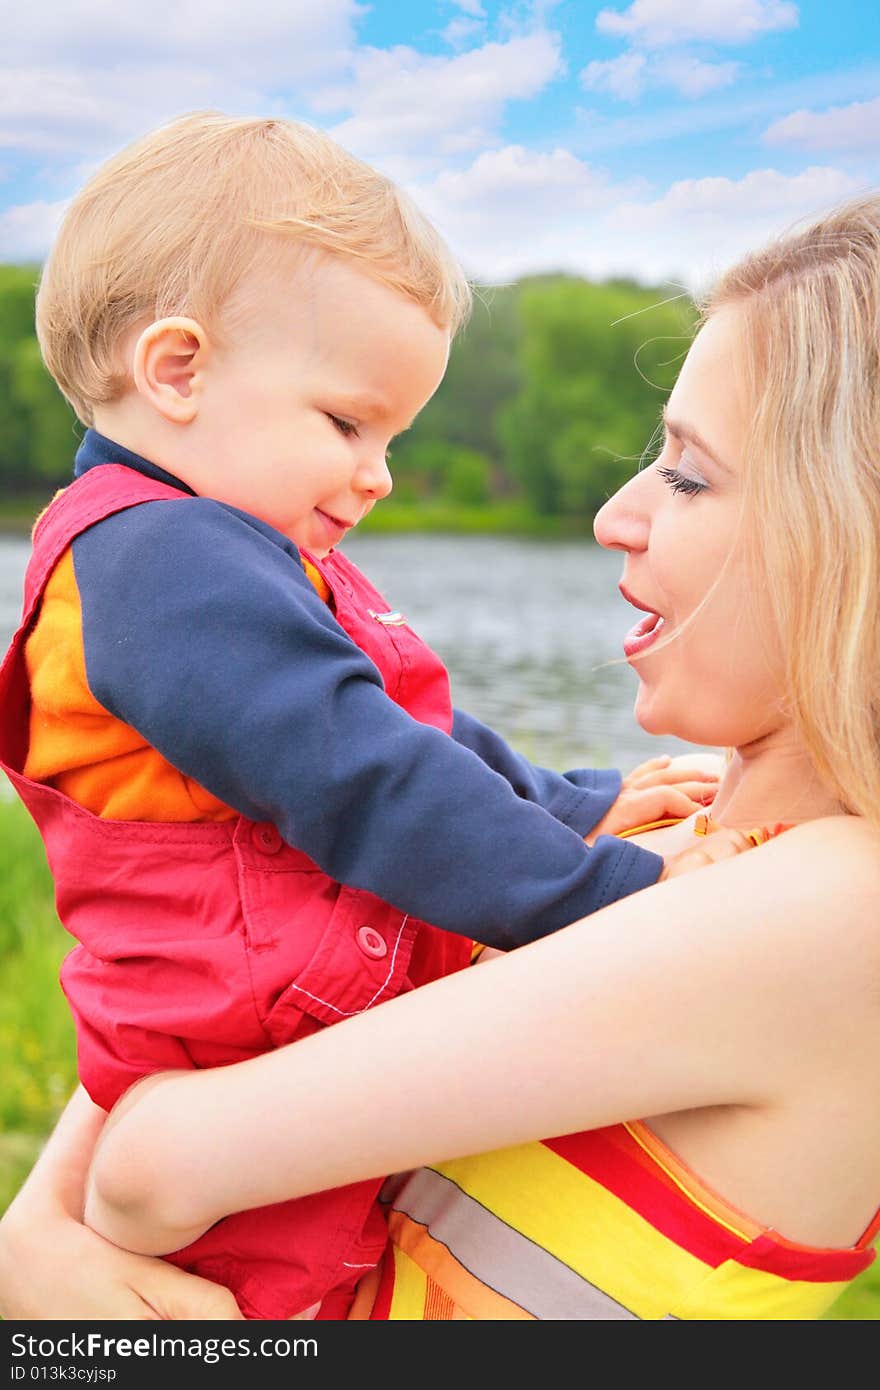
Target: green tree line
[[552, 395]]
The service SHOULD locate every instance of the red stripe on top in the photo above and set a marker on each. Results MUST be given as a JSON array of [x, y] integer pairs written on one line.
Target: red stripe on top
[[791, 1261], [614, 1159]]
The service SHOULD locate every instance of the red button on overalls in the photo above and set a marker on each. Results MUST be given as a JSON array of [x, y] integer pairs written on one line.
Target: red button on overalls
[[371, 942], [266, 837]]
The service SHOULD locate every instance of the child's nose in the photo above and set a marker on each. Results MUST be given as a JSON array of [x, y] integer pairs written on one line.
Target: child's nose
[[623, 522], [374, 475]]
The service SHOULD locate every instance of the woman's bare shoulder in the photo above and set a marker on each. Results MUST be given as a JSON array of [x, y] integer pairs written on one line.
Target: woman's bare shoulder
[[841, 843], [834, 862]]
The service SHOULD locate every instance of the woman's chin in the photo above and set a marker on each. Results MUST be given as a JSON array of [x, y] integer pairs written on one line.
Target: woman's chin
[[649, 715]]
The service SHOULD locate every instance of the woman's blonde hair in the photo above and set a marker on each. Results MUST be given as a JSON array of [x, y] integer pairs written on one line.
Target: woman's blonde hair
[[173, 223], [809, 307]]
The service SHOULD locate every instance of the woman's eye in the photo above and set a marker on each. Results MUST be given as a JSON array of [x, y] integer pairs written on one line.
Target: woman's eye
[[344, 426], [679, 482]]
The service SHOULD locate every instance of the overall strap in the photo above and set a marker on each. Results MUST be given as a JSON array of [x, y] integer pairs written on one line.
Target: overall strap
[[105, 489]]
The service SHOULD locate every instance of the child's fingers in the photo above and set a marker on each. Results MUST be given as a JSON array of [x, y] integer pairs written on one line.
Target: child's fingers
[[724, 844], [659, 803], [653, 765], [662, 760], [674, 777]]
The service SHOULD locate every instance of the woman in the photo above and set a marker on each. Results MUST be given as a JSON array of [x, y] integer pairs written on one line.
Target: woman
[[734, 1013]]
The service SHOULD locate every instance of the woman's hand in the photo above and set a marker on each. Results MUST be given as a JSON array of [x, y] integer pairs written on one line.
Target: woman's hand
[[52, 1267]]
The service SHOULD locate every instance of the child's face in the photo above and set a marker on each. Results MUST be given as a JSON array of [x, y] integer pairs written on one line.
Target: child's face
[[295, 417]]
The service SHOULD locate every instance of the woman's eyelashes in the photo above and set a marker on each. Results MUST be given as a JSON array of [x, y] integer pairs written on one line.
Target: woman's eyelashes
[[679, 482], [685, 478]]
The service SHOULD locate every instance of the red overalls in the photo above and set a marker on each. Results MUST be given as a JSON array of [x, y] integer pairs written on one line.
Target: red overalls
[[204, 944]]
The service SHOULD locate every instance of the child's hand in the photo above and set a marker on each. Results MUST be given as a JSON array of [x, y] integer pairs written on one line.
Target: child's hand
[[659, 789], [724, 844]]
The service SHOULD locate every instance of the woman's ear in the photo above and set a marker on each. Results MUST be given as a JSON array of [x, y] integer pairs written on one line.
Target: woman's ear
[[169, 359]]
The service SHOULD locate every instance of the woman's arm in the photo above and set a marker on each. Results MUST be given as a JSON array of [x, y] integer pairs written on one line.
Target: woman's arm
[[718, 988], [51, 1266]]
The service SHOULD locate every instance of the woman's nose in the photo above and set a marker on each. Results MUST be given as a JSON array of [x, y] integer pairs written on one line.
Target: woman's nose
[[623, 522]]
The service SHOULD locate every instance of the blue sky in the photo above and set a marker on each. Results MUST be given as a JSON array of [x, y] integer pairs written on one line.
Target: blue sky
[[657, 138]]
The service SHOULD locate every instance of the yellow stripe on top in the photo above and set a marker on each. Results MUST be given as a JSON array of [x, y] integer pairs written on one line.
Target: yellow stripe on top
[[567, 1213], [82, 749]]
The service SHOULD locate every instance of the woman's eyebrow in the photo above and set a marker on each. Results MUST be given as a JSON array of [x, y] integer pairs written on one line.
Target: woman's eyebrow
[[681, 430]]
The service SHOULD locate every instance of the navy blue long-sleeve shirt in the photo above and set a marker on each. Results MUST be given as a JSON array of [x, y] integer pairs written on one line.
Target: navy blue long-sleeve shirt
[[202, 631]]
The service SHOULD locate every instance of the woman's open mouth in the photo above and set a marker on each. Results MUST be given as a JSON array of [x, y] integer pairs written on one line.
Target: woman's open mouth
[[646, 630], [640, 637]]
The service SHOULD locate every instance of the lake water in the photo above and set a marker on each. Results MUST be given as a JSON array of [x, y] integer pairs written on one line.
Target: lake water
[[529, 629]]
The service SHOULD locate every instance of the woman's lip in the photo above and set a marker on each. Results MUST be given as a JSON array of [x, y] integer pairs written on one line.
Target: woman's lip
[[632, 600], [640, 637], [645, 631]]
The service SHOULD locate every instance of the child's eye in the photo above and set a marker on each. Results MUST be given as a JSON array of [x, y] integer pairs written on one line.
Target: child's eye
[[679, 482], [344, 426]]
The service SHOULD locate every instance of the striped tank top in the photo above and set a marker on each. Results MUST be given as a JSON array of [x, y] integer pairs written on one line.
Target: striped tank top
[[606, 1224]]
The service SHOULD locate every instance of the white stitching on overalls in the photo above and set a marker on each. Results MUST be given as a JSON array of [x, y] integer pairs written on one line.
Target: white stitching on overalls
[[350, 1013]]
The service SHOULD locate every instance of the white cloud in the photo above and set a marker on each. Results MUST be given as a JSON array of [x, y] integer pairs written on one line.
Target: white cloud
[[27, 232], [627, 77], [462, 31], [852, 127], [516, 212], [289, 42], [411, 111], [691, 77], [102, 72], [698, 226], [66, 112], [657, 23], [623, 77], [471, 7]]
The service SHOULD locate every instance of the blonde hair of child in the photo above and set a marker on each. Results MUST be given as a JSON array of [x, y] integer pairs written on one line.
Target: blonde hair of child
[[173, 223], [810, 310]]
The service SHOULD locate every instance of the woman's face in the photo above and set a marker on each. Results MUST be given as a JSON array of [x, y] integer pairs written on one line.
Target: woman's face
[[680, 526]]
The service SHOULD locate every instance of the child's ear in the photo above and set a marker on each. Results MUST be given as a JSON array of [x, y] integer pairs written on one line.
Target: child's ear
[[168, 358]]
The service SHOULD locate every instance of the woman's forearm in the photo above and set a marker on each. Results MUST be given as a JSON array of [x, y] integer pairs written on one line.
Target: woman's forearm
[[58, 1177], [664, 1001], [51, 1267]]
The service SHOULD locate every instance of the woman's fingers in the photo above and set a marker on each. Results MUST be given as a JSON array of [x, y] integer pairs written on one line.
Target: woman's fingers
[[179, 1297]]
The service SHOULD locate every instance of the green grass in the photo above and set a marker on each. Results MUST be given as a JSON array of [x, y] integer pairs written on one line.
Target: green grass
[[501, 518], [36, 1034]]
